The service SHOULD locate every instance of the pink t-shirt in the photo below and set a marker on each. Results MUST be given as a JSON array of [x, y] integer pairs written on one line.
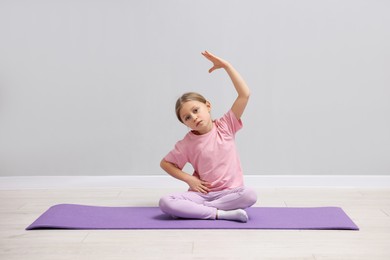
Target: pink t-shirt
[[213, 155]]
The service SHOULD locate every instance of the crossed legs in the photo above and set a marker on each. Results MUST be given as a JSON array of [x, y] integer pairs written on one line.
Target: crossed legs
[[227, 204]]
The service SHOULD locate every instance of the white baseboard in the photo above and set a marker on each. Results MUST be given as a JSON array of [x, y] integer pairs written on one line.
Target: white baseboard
[[161, 181]]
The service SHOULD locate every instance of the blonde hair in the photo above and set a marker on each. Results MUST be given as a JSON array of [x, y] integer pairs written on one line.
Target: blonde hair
[[189, 96]]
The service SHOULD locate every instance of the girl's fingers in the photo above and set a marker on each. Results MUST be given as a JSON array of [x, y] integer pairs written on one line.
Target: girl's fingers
[[205, 183], [199, 189], [209, 56], [203, 189]]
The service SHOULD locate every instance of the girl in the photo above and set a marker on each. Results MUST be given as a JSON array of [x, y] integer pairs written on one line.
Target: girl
[[216, 188]]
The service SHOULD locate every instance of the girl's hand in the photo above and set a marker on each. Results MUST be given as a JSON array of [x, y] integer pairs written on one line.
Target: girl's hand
[[217, 62], [242, 89], [198, 185]]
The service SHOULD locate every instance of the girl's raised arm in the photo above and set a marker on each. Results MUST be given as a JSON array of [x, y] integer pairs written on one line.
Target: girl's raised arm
[[242, 89]]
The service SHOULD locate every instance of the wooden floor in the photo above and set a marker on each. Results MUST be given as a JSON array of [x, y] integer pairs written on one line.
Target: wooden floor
[[368, 208]]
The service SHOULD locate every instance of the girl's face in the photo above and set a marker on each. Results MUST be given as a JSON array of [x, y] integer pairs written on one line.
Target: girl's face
[[196, 115]]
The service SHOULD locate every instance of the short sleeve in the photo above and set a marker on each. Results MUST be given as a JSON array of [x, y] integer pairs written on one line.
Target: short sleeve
[[229, 123], [177, 156]]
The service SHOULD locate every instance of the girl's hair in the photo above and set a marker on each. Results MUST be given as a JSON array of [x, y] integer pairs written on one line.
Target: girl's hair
[[189, 96]]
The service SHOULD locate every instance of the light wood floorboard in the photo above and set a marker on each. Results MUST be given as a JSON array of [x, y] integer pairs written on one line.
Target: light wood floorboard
[[369, 209]]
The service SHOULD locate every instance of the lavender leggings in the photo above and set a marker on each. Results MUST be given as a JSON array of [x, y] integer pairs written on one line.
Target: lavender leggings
[[197, 205]]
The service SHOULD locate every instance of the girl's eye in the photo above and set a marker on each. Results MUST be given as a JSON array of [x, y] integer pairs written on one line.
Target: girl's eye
[[196, 110], [186, 118]]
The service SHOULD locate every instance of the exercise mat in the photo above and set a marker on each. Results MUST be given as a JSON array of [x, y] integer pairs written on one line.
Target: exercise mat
[[72, 216]]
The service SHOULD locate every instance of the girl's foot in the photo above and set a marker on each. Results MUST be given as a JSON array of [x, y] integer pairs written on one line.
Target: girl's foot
[[235, 215]]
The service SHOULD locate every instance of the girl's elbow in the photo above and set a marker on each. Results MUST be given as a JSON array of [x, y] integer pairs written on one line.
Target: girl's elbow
[[248, 94], [245, 95], [163, 163]]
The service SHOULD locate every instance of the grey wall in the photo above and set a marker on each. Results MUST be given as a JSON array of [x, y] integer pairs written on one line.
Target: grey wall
[[88, 87]]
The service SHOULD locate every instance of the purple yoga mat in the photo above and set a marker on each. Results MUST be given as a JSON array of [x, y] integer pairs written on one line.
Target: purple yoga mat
[[71, 216]]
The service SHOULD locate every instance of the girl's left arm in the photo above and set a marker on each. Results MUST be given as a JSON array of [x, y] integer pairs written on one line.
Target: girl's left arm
[[241, 87]]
